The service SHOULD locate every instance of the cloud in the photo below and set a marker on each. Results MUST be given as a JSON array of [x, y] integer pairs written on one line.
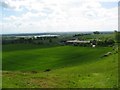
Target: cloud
[[60, 15], [4, 4]]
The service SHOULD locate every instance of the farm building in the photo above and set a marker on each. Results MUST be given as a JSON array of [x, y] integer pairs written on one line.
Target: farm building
[[78, 42]]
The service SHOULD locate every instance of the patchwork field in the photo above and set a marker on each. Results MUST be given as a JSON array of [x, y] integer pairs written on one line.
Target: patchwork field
[[34, 66]]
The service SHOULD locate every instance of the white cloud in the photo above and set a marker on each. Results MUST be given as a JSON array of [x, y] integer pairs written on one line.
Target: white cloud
[[60, 15]]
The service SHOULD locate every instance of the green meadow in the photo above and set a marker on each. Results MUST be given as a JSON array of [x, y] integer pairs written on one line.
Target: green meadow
[[36, 66]]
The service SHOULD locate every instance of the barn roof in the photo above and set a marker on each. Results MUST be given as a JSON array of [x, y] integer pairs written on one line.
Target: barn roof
[[77, 41]]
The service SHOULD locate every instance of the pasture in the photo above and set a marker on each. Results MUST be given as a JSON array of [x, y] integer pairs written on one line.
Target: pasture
[[35, 66]]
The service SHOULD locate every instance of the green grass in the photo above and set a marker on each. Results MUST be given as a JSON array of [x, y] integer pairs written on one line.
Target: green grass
[[79, 67], [100, 36], [54, 57]]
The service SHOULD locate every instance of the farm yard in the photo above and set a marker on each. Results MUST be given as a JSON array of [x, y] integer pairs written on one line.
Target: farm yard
[[31, 65]]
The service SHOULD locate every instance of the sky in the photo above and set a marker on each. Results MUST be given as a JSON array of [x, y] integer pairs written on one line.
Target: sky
[[38, 16]]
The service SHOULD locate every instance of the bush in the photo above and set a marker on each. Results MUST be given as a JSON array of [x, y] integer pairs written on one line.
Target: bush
[[33, 72], [47, 70], [96, 32], [107, 42]]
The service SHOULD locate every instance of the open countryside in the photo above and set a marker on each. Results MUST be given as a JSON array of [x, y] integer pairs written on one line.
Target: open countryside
[[66, 60]]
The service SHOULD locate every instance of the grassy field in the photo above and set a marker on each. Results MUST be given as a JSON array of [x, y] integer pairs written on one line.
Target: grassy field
[[24, 66]]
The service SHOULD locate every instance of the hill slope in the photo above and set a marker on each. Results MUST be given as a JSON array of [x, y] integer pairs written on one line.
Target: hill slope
[[79, 67], [51, 57]]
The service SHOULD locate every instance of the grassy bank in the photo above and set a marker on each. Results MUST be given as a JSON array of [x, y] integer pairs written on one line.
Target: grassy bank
[[68, 66]]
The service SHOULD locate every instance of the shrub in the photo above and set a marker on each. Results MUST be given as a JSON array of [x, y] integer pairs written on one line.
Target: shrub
[[47, 70]]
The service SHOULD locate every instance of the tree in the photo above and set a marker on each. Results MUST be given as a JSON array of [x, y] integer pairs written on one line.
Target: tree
[[94, 42], [50, 40], [117, 35], [110, 42], [96, 32]]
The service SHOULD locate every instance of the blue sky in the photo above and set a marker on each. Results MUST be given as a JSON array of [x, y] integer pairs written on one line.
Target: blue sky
[[32, 16], [109, 4]]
